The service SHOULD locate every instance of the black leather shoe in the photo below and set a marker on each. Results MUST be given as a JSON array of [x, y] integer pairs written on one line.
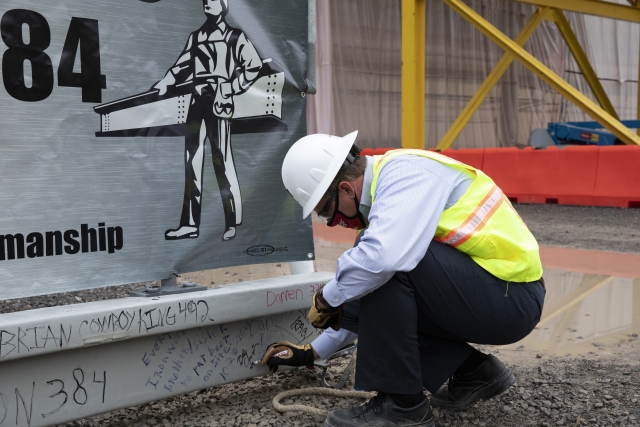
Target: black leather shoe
[[464, 390], [381, 411]]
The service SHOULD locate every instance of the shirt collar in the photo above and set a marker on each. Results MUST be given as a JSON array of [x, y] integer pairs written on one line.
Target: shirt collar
[[365, 197]]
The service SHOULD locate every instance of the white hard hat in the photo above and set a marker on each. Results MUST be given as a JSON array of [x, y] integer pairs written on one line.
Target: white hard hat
[[311, 165]]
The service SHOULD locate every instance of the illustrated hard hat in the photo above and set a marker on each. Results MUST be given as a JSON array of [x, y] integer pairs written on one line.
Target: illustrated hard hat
[[311, 165]]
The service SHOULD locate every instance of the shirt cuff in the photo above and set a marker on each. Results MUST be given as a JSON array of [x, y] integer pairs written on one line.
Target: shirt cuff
[[332, 294], [331, 341]]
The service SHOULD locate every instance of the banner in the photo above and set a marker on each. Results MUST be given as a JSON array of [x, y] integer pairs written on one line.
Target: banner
[[139, 137]]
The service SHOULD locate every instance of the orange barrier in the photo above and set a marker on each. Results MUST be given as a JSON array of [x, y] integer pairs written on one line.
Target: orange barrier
[[537, 174], [501, 165], [618, 177], [574, 175], [468, 156], [558, 176]]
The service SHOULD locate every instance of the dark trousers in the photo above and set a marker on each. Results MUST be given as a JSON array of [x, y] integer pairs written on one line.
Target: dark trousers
[[413, 331], [201, 114]]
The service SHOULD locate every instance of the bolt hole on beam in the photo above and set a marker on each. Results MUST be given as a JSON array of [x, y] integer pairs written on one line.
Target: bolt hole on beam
[[551, 201], [634, 204]]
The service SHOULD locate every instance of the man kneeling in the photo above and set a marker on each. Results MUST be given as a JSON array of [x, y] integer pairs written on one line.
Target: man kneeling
[[442, 260]]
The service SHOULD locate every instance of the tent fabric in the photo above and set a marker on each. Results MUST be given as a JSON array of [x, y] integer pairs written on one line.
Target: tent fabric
[[359, 72]]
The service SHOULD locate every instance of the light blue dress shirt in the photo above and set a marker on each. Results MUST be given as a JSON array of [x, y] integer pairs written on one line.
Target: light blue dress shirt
[[411, 194]]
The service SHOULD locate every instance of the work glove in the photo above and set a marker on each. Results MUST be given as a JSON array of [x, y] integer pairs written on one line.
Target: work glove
[[286, 353], [322, 315]]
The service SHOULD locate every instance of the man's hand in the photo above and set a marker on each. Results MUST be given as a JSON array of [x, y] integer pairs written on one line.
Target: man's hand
[[286, 353], [322, 315], [163, 84]]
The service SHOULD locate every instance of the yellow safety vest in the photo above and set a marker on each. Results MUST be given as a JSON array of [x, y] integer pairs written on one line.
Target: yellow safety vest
[[483, 224]]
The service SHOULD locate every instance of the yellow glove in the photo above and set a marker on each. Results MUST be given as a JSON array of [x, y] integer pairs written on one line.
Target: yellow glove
[[322, 315], [286, 353]]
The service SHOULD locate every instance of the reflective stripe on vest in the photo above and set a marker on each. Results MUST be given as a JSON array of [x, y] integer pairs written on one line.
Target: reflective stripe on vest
[[476, 220], [482, 224]]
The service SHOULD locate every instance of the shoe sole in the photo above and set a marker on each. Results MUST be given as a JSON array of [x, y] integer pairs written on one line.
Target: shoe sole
[[185, 236], [498, 386], [428, 423]]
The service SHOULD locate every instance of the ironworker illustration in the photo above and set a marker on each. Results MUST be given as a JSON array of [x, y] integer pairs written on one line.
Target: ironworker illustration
[[220, 62], [218, 86]]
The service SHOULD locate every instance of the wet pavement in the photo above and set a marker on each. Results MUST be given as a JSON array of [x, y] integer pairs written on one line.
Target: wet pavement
[[585, 314]]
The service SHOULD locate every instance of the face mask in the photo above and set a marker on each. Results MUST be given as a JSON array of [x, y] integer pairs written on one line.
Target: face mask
[[357, 222]]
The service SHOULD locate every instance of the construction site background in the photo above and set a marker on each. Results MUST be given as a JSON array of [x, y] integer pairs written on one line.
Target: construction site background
[[359, 72]]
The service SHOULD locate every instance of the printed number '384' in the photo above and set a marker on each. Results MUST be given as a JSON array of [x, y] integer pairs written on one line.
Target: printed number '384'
[[82, 32]]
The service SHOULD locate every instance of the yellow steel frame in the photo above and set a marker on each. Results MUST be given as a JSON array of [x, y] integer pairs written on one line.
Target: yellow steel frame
[[543, 13], [491, 80], [592, 7], [413, 76], [607, 119], [583, 62]]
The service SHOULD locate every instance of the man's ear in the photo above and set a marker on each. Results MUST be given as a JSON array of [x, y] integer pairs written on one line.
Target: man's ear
[[347, 187]]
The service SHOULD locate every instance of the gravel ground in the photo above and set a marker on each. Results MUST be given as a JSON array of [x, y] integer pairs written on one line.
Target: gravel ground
[[591, 390], [552, 392], [584, 227]]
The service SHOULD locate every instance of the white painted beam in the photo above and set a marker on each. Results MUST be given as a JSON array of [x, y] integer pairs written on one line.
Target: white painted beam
[[46, 330], [65, 363]]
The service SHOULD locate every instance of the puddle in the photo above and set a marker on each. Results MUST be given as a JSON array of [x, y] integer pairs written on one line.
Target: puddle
[[584, 314]]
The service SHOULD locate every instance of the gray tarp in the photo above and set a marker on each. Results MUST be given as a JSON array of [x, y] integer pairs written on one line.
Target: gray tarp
[[103, 160]]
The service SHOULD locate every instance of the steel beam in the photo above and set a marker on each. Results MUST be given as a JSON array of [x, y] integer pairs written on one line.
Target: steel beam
[[583, 62], [591, 7], [546, 74], [64, 363], [413, 75], [491, 80]]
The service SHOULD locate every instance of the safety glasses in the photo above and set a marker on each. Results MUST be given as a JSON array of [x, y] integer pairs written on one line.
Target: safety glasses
[[324, 213]]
